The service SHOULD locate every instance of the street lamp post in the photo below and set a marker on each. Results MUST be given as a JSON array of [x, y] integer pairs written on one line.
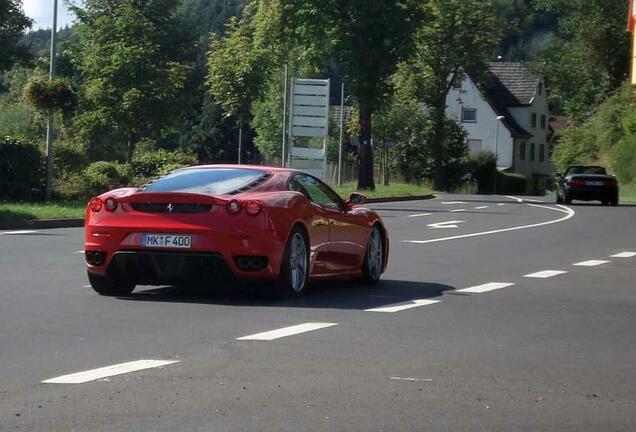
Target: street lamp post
[[49, 122], [494, 182]]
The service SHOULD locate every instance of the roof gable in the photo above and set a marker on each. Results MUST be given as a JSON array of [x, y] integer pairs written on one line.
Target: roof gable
[[511, 84]]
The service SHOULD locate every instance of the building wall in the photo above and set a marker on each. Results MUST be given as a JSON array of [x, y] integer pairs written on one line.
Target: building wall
[[485, 127], [528, 165]]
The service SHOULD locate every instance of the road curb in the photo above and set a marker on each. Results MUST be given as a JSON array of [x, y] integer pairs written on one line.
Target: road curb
[[43, 223], [79, 222]]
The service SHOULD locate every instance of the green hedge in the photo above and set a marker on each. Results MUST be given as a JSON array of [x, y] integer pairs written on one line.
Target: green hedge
[[21, 170], [511, 183]]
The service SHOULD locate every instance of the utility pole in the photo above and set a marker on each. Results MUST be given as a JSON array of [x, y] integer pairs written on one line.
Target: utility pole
[[49, 122], [341, 134], [283, 156]]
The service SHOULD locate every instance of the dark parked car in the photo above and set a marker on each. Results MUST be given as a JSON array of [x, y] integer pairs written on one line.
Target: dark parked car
[[587, 183]]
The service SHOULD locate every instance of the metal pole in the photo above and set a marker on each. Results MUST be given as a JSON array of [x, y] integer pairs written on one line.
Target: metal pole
[[49, 122], [287, 162], [282, 160], [341, 134], [494, 184]]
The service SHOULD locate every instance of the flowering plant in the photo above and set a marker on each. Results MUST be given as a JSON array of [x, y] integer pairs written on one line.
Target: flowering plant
[[48, 95]]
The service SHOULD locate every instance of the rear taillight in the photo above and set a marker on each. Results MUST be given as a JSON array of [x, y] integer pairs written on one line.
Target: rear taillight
[[234, 207], [576, 182], [110, 204], [253, 208], [95, 204], [610, 182]]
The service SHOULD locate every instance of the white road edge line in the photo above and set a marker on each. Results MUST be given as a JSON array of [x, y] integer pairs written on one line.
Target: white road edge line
[[397, 307], [624, 255], [287, 331], [420, 215], [591, 263], [545, 274], [108, 371], [490, 286], [569, 211]]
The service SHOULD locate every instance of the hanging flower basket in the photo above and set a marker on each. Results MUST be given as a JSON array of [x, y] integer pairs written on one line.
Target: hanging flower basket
[[49, 95]]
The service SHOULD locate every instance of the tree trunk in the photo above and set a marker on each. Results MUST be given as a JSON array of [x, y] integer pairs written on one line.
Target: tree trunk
[[132, 140], [365, 175], [439, 137], [240, 141]]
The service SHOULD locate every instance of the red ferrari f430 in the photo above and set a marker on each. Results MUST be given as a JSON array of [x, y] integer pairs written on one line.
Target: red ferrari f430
[[203, 223]]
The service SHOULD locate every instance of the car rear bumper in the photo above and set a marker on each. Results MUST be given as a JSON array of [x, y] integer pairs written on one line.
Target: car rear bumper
[[592, 194]]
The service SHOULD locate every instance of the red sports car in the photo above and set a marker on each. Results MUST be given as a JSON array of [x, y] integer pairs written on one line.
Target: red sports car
[[201, 223]]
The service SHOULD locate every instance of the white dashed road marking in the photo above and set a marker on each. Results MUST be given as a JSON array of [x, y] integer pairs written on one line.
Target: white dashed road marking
[[491, 286], [458, 210], [79, 252], [108, 371], [501, 204], [591, 263], [287, 331], [411, 379], [397, 307], [625, 255], [453, 202], [481, 207], [18, 232], [420, 215], [545, 274]]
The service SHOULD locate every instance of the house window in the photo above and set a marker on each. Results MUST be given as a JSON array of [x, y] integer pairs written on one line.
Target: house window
[[457, 82], [474, 146], [540, 88], [542, 122], [533, 148], [541, 152], [533, 120], [550, 150], [522, 151], [469, 115]]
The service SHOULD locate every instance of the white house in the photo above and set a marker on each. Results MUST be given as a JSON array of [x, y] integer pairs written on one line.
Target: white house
[[508, 116]]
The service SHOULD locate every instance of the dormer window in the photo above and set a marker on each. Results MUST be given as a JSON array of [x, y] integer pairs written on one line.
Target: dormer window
[[469, 115]]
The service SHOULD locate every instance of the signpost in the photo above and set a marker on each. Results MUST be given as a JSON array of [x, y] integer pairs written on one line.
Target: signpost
[[309, 118]]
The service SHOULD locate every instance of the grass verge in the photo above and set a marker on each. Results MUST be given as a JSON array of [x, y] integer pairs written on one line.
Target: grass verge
[[628, 193], [10, 211], [381, 191]]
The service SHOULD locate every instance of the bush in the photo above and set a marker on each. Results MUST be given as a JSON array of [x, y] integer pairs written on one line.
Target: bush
[[21, 170], [484, 167], [511, 183], [159, 162], [97, 178]]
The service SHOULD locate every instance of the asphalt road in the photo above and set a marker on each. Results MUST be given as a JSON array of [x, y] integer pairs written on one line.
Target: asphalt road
[[554, 352]]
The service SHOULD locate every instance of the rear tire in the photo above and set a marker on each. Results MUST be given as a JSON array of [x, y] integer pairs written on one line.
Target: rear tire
[[567, 199], [103, 285], [373, 257], [294, 274], [614, 200]]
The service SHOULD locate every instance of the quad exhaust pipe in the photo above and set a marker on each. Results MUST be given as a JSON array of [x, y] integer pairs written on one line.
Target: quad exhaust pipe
[[95, 258], [251, 263]]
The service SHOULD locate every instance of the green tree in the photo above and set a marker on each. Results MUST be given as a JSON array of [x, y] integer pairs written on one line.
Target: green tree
[[236, 69], [132, 62], [589, 56], [457, 36], [13, 23], [367, 39]]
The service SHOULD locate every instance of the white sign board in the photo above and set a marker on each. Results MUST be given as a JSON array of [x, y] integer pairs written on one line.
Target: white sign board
[[309, 117]]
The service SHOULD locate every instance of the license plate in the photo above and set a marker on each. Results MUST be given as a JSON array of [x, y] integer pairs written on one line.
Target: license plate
[[593, 183], [167, 241]]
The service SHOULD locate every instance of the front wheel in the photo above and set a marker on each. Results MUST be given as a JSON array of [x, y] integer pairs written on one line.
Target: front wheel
[[103, 285], [373, 257], [294, 275]]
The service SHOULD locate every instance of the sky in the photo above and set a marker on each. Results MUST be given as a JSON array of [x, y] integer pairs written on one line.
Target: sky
[[41, 11]]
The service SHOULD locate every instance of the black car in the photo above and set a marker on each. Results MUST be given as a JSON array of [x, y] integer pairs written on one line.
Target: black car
[[587, 183]]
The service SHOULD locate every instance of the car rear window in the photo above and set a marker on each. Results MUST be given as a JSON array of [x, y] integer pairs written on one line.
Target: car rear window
[[214, 181], [587, 170]]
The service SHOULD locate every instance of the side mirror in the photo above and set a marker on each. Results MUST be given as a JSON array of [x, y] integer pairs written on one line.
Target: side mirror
[[355, 199]]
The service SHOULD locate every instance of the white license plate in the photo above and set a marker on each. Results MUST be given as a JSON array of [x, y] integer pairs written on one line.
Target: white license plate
[[593, 183], [167, 241]]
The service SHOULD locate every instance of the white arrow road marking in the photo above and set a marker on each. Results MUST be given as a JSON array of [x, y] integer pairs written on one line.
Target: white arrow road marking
[[420, 215], [545, 274], [624, 255], [453, 202], [442, 225], [118, 369], [287, 331], [397, 307], [486, 287], [562, 209], [591, 263]]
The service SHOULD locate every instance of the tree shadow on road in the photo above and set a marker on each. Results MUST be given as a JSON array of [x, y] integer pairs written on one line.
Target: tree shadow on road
[[325, 295]]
